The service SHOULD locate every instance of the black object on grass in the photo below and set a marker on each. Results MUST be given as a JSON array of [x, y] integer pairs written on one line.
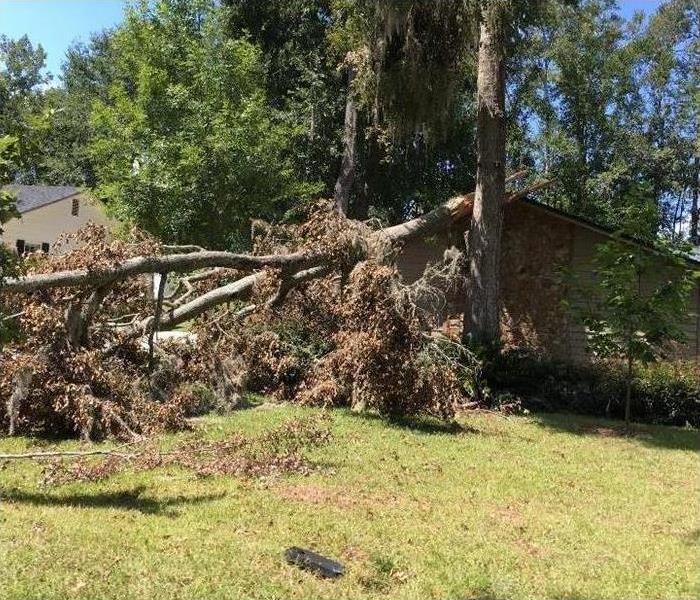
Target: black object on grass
[[313, 562]]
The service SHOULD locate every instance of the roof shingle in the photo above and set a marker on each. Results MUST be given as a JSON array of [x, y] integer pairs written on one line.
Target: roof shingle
[[30, 197]]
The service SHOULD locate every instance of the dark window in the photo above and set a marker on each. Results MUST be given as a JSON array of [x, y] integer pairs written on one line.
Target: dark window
[[45, 248], [75, 209], [20, 247]]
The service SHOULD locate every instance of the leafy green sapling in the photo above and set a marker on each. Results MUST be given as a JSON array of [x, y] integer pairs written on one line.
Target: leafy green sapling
[[634, 305]]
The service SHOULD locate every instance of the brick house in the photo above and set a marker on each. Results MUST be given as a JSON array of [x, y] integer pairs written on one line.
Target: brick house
[[537, 241]]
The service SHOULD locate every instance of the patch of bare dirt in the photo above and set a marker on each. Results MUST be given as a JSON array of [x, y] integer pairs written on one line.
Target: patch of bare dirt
[[337, 498], [606, 431], [510, 514], [530, 548]]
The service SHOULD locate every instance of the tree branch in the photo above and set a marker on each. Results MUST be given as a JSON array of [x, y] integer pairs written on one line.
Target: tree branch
[[158, 264], [69, 454]]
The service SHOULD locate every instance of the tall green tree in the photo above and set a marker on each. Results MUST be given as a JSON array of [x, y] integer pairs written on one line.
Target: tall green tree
[[22, 77], [604, 105], [66, 131], [184, 142], [376, 146], [409, 118]]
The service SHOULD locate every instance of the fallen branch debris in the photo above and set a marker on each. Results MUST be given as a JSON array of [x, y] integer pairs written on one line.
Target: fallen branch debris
[[316, 313], [278, 451]]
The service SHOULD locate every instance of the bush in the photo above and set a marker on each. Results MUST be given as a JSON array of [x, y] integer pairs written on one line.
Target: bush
[[665, 393], [669, 393]]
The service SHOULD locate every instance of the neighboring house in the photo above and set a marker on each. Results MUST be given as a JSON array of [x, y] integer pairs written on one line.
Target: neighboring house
[[47, 211], [537, 241]]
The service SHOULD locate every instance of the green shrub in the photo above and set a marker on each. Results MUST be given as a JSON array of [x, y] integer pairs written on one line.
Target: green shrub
[[665, 393], [669, 392]]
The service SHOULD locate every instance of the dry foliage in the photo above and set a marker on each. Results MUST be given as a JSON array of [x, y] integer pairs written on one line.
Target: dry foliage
[[350, 334], [354, 338], [67, 377], [280, 450]]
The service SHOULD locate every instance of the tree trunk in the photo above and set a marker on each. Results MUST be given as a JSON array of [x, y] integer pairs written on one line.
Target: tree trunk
[[695, 209], [155, 325], [22, 387], [348, 164], [481, 320], [628, 392]]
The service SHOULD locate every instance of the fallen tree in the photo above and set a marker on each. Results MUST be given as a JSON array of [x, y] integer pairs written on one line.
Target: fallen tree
[[79, 366], [179, 259]]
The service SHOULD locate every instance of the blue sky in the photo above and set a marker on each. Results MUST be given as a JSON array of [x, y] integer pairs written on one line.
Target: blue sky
[[55, 24]]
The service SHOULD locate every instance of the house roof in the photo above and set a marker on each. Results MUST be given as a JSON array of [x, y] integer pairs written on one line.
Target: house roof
[[30, 197], [692, 257]]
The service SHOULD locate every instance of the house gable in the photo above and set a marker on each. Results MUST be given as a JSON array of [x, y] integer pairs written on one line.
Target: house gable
[[41, 224]]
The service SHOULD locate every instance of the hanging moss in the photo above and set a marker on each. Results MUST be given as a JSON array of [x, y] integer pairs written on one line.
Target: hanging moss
[[410, 58], [420, 55]]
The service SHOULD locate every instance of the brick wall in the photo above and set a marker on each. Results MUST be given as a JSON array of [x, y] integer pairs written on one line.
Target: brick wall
[[536, 243]]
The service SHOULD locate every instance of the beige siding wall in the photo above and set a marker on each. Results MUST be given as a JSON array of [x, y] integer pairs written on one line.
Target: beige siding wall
[[585, 241], [536, 243], [46, 224]]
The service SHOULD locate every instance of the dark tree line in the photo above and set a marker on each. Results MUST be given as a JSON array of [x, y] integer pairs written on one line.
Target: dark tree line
[[240, 109]]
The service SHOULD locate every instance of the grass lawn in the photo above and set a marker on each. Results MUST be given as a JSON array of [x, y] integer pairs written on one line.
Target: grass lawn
[[548, 506]]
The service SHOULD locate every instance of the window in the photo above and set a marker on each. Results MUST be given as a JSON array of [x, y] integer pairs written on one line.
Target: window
[[75, 208], [28, 247], [45, 248], [20, 247]]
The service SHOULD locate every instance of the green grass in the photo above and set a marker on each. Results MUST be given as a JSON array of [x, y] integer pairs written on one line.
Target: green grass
[[511, 507]]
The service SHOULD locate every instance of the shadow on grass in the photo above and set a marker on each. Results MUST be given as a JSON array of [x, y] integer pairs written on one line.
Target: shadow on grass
[[658, 436], [426, 425], [130, 500], [693, 538]]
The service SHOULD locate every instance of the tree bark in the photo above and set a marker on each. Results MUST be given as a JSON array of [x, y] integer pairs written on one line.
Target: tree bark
[[171, 263], [155, 326], [628, 391], [348, 164], [482, 318], [695, 209]]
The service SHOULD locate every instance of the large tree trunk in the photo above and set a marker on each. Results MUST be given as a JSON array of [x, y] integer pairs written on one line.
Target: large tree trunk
[[481, 319], [695, 209], [348, 165]]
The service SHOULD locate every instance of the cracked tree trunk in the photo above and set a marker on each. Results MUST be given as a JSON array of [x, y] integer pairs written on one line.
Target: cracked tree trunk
[[482, 318]]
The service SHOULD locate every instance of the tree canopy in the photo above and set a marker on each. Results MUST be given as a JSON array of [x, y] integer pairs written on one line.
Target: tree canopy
[[190, 118]]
